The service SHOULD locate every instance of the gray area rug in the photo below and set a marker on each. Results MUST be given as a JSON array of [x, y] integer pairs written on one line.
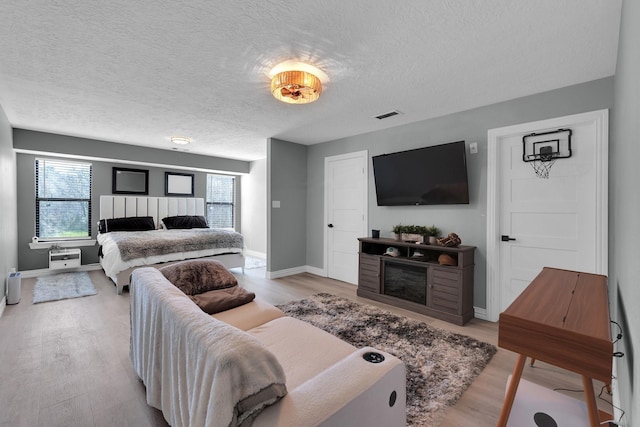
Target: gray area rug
[[440, 364], [63, 286]]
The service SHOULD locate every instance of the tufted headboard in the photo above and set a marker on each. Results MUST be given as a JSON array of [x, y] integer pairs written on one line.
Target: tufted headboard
[[156, 207]]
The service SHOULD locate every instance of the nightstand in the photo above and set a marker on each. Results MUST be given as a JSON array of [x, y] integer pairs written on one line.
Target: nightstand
[[64, 258]]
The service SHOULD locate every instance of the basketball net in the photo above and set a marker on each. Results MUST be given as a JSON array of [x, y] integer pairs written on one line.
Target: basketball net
[[542, 167]]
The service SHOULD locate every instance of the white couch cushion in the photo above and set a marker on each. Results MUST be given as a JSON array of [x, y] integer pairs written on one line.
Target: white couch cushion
[[249, 315], [303, 350]]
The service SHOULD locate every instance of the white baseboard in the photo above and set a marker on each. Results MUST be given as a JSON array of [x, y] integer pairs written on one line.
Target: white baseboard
[[296, 270], [286, 272], [47, 271], [3, 304], [317, 271], [256, 254], [480, 313]]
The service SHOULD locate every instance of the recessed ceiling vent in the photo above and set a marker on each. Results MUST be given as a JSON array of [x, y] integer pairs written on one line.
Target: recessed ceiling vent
[[387, 115]]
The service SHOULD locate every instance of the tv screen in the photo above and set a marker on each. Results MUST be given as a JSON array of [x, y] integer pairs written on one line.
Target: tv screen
[[435, 175]]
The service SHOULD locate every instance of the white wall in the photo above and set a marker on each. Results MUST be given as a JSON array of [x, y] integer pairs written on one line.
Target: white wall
[[624, 211], [254, 208], [8, 195]]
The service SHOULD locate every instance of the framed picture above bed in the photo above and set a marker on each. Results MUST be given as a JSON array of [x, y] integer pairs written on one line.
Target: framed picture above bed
[[130, 181], [178, 184]]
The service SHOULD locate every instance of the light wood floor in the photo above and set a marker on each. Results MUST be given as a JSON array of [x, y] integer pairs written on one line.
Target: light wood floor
[[66, 363]]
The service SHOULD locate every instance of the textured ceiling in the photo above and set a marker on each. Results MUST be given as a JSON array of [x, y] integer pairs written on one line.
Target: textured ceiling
[[137, 72]]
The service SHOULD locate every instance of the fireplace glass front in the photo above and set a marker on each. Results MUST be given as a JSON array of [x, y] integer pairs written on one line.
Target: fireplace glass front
[[405, 281]]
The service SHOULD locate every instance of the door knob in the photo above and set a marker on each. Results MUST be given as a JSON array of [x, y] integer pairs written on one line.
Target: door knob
[[506, 238], [330, 225]]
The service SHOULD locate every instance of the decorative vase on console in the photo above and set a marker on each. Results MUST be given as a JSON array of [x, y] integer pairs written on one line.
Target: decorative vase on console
[[397, 231], [433, 232], [413, 233], [412, 237]]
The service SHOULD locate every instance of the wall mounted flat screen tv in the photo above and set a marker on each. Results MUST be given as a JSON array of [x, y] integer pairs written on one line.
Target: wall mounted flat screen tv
[[435, 175]]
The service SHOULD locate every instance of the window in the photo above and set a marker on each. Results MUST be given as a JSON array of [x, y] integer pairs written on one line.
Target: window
[[221, 197], [63, 199]]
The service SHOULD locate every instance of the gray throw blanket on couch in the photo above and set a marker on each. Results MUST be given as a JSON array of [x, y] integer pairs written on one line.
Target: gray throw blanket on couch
[[198, 370]]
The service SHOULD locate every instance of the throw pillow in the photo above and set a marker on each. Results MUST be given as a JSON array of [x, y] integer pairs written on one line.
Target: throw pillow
[[185, 222], [133, 223], [200, 275]]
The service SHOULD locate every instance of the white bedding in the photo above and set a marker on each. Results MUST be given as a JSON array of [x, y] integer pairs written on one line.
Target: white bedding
[[112, 262]]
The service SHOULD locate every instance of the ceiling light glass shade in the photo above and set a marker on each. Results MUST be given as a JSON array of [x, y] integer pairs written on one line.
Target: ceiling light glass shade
[[180, 140], [296, 87]]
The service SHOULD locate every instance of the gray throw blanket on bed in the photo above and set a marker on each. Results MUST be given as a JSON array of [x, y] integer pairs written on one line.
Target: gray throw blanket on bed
[[142, 244]]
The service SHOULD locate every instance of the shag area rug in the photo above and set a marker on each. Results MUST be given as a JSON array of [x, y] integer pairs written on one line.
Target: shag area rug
[[440, 365], [63, 286]]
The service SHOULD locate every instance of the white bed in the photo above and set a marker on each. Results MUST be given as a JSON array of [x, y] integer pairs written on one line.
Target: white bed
[[157, 208]]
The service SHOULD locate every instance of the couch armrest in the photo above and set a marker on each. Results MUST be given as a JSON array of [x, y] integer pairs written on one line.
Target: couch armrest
[[352, 392]]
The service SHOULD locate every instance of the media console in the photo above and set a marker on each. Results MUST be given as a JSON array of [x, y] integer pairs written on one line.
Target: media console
[[414, 279]]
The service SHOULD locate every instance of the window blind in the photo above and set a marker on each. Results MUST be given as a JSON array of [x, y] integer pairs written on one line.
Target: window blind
[[63, 199], [220, 201]]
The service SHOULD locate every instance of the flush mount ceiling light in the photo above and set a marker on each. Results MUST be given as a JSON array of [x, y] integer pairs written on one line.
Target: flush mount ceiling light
[[180, 140], [296, 87], [296, 82]]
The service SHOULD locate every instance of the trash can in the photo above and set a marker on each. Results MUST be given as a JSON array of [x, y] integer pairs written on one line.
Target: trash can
[[13, 288]]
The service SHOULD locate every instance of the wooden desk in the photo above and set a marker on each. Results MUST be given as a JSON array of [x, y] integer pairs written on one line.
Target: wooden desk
[[561, 318]]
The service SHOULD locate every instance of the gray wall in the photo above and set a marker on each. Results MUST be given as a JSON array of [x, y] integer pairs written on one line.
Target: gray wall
[[31, 259], [63, 144], [286, 183], [468, 221], [254, 208], [8, 195], [624, 209]]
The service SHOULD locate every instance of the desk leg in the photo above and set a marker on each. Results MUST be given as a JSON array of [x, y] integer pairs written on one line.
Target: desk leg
[[590, 397], [511, 391]]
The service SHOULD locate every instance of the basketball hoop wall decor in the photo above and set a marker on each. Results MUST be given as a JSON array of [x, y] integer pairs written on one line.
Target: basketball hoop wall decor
[[543, 149]]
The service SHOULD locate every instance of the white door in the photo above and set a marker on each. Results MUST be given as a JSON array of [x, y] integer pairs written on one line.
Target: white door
[[556, 222], [345, 213]]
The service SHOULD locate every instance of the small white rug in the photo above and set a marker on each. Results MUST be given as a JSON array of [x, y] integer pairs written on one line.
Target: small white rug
[[253, 262], [63, 286]]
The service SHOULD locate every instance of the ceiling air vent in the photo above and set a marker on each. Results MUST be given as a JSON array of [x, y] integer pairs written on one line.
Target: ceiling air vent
[[387, 115]]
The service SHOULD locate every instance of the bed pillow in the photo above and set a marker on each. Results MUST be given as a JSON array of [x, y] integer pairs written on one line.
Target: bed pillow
[[184, 222], [134, 223], [212, 302], [197, 276]]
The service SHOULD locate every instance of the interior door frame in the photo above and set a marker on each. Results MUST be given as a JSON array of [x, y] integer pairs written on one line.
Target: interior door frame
[[601, 120], [365, 201]]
